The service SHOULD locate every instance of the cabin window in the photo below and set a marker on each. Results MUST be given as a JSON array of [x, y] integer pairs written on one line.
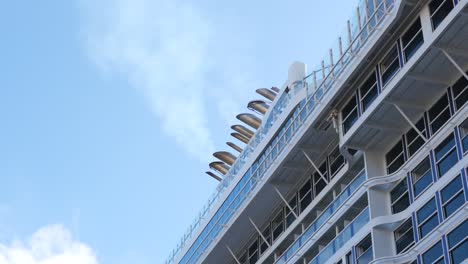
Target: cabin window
[[438, 10], [439, 113], [349, 114], [368, 92], [434, 255], [413, 139], [364, 251], [458, 243], [404, 237], [395, 157], [422, 176], [446, 155], [390, 65], [452, 197], [412, 39], [305, 195], [460, 92], [427, 218], [399, 197]]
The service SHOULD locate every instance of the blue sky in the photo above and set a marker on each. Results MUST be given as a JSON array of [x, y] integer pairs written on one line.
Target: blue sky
[[110, 111]]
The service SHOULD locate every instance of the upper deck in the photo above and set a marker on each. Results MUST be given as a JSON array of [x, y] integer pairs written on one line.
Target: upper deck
[[285, 122]]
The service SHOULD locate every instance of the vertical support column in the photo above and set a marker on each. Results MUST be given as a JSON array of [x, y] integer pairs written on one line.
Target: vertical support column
[[383, 243], [379, 205], [426, 23], [379, 201]]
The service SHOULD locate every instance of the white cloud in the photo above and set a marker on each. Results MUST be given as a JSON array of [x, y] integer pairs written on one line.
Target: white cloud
[[49, 245], [171, 52]]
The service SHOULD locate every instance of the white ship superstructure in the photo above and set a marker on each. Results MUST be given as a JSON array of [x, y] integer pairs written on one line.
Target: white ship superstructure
[[362, 160]]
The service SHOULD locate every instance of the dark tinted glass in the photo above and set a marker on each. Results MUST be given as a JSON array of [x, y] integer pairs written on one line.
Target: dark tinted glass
[[433, 253]]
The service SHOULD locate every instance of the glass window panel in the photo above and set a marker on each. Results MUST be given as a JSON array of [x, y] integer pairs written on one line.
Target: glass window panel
[[451, 189], [464, 135], [428, 226], [412, 39], [368, 92], [364, 250], [428, 209], [401, 204], [398, 190], [447, 163], [459, 253], [404, 236], [453, 205], [433, 254], [422, 176], [459, 234], [439, 9], [439, 113], [349, 114], [460, 92], [390, 65], [444, 147], [414, 140], [394, 157]]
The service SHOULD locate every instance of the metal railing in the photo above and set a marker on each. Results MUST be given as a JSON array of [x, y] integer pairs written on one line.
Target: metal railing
[[319, 221]]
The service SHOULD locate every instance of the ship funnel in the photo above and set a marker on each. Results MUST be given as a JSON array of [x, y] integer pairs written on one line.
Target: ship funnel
[[240, 137], [250, 120], [243, 131], [267, 93], [225, 156], [219, 166], [234, 146], [214, 176], [258, 106]]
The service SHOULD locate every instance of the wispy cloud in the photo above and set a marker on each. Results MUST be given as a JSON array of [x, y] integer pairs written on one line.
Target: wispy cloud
[[49, 245], [168, 49]]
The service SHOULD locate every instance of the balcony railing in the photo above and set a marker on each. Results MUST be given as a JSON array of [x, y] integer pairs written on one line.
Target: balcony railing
[[342, 238], [329, 211]]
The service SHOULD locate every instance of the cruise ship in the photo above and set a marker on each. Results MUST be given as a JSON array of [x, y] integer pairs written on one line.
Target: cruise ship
[[363, 159]]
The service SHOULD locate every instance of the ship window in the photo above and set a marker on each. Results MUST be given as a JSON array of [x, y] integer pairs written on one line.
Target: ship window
[[267, 234], [336, 161], [399, 197], [404, 238], [368, 92], [460, 92], [434, 254], [289, 215], [422, 176], [349, 258], [319, 181], [349, 114], [390, 65], [439, 9], [253, 252], [439, 113], [464, 135], [395, 158], [305, 195], [278, 225], [458, 243], [446, 155], [364, 251], [412, 39], [452, 197], [427, 218], [413, 138]]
